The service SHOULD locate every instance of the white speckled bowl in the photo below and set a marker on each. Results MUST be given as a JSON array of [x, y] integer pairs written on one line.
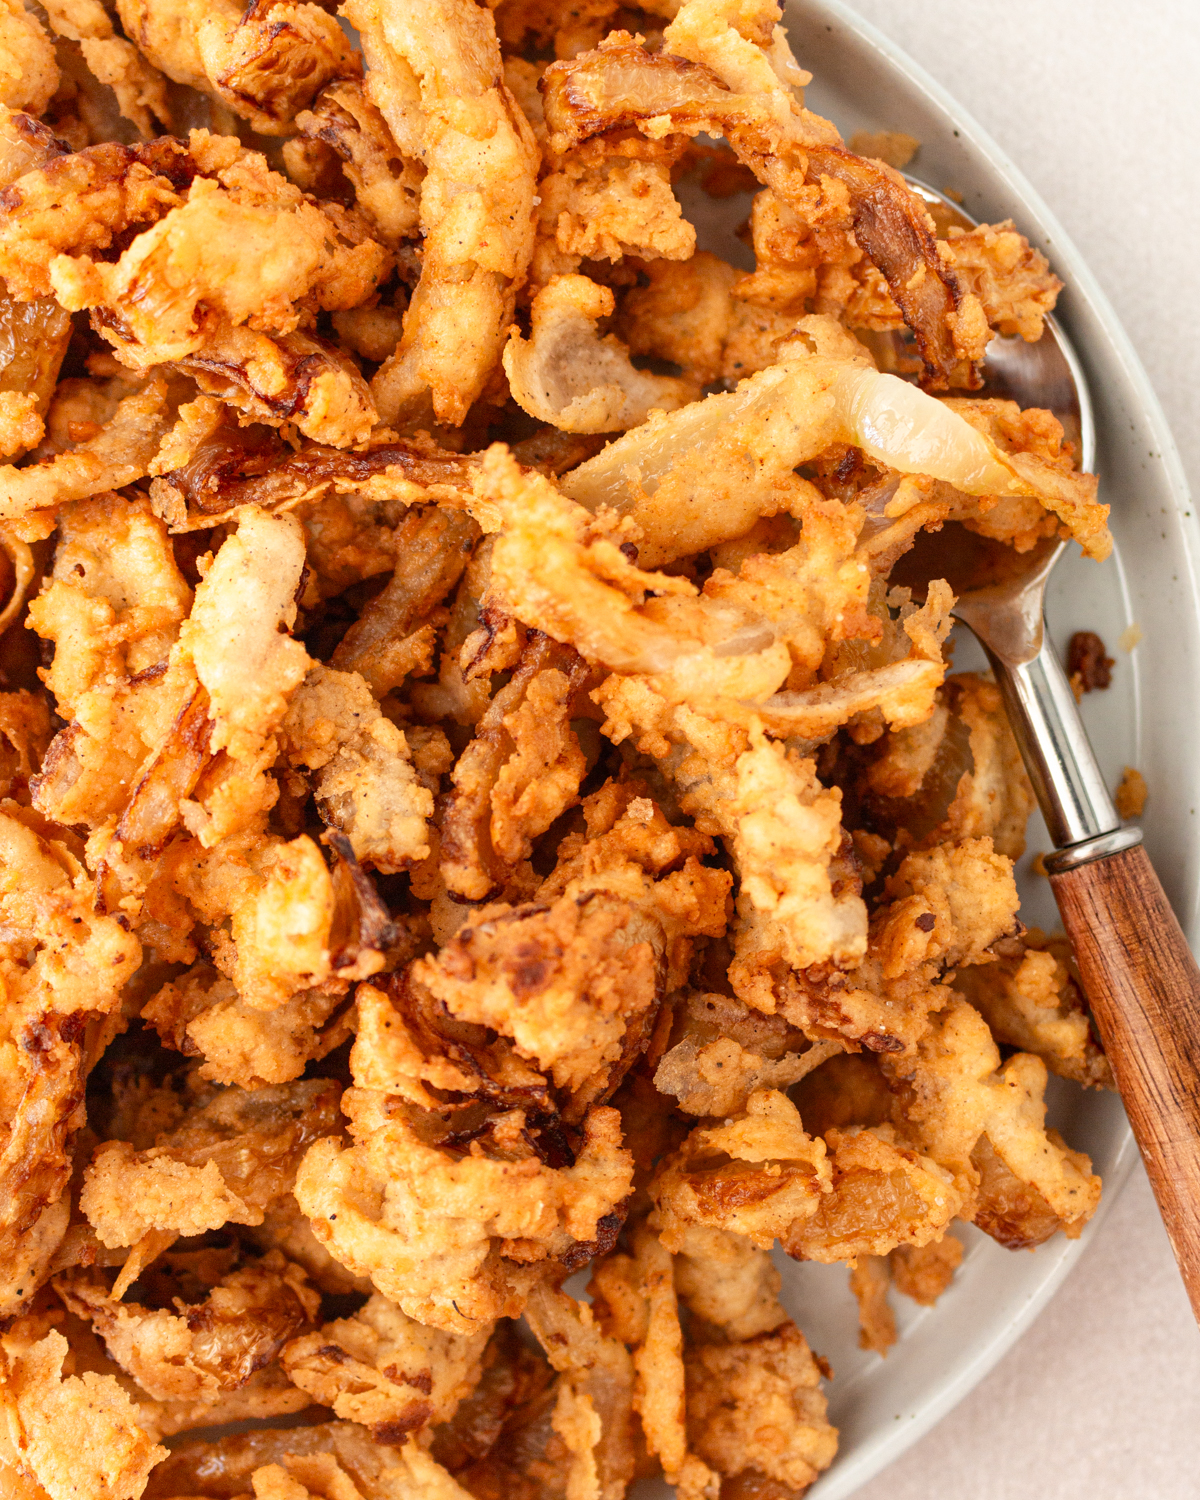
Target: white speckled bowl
[[1146, 719]]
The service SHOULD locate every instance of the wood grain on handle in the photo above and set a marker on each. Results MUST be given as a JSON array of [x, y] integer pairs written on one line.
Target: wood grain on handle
[[1143, 986]]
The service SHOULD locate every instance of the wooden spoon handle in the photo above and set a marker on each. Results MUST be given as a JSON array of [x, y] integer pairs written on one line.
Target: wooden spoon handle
[[1143, 986]]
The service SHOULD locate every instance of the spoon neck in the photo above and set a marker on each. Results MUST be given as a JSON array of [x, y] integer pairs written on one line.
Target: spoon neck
[[1044, 716]]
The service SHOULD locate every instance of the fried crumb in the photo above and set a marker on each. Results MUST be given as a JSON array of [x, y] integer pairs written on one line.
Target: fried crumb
[[1130, 795], [869, 1281], [1130, 637], [1088, 664]]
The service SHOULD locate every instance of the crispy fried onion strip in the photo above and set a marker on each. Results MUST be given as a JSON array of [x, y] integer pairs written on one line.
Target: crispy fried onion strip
[[140, 89], [728, 1281], [984, 1122], [566, 374], [384, 1370], [610, 199], [112, 607], [593, 1394], [756, 1409], [560, 572], [327, 1461], [706, 473], [230, 1157], [362, 774], [25, 730], [111, 1456], [121, 452], [882, 1194], [1030, 1000], [567, 982], [628, 850], [659, 1395], [759, 1174], [291, 377], [957, 776], [63, 973], [434, 73], [407, 1043], [202, 1012], [454, 1233], [265, 62], [941, 908], [520, 772], [721, 1052], [35, 333], [396, 631], [230, 673], [387, 184], [77, 204], [784, 831], [245, 244], [752, 1174], [567, 985], [202, 1349], [710, 79], [799, 899], [730, 647], [28, 71], [210, 466], [284, 923]]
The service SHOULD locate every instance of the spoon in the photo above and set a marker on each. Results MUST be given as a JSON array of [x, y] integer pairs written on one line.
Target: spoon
[[1140, 979]]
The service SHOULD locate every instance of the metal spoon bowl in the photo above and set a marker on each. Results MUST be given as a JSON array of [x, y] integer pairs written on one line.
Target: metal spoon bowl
[[1000, 594]]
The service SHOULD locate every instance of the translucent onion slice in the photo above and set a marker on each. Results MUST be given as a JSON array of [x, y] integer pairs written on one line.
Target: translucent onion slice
[[902, 428], [700, 475], [566, 374]]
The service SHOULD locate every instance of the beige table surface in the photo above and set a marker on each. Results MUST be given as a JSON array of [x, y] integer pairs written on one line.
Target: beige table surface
[[1099, 104]]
